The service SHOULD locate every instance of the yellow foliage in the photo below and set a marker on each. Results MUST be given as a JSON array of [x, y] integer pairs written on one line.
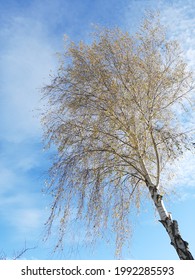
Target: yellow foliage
[[112, 117]]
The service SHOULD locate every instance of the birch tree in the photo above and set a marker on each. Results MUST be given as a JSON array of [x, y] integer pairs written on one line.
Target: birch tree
[[112, 115]]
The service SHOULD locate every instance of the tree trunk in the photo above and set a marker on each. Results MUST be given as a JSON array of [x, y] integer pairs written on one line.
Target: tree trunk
[[170, 225]]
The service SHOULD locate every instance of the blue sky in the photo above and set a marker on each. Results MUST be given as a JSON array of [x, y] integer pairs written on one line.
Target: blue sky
[[31, 33]]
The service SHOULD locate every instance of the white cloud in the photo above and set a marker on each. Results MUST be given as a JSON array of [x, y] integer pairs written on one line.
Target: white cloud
[[26, 64], [27, 58], [27, 219], [179, 17], [7, 177], [184, 171], [23, 214]]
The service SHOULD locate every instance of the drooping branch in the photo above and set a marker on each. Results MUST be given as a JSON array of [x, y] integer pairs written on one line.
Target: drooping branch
[[111, 116]]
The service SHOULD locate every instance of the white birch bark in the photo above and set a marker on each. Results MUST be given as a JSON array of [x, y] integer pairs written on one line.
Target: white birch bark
[[170, 225]]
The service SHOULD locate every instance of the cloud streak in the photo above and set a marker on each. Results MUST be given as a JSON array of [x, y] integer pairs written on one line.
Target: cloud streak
[[27, 57], [27, 60]]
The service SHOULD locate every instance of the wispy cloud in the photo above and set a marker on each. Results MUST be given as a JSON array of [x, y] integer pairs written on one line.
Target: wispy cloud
[[184, 172], [179, 16], [26, 62], [27, 57]]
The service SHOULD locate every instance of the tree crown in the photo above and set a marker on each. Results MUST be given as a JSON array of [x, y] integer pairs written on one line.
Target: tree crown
[[113, 117]]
